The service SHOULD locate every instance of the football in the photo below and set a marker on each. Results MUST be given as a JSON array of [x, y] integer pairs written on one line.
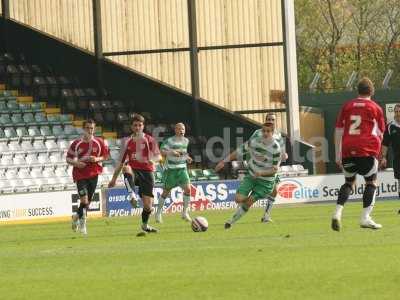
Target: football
[[199, 224]]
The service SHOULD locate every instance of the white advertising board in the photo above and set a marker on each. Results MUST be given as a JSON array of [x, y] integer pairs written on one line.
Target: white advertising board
[[326, 188], [43, 206]]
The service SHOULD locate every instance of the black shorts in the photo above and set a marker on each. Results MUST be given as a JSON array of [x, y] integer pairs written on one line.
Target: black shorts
[[87, 187], [364, 166], [396, 168], [145, 181]]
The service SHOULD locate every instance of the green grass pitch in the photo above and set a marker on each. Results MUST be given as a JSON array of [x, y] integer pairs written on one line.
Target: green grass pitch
[[296, 257]]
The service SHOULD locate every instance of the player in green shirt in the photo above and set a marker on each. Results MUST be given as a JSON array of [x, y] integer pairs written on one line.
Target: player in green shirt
[[271, 120], [263, 156], [174, 149]]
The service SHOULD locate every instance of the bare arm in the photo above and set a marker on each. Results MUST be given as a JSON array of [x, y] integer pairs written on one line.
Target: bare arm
[[115, 175], [75, 163], [338, 145], [221, 164]]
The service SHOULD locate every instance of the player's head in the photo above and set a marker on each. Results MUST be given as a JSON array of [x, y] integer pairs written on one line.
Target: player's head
[[180, 129], [137, 124], [397, 112], [270, 119], [365, 87], [89, 127], [267, 131]]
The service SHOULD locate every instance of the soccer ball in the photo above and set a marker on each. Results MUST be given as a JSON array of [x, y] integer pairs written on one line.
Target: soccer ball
[[199, 224]]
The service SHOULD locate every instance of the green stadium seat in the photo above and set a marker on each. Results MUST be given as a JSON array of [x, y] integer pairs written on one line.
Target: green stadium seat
[[34, 132], [41, 119], [5, 120], [65, 119], [53, 119], [22, 133], [29, 119], [58, 131], [71, 131], [46, 132], [210, 174], [158, 177], [11, 134], [196, 175], [2, 135], [17, 120], [199, 174], [13, 107], [36, 107], [5, 93], [3, 106]]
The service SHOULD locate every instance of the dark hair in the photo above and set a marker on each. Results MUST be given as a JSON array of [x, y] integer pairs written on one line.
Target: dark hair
[[88, 121], [270, 114], [365, 87], [137, 118]]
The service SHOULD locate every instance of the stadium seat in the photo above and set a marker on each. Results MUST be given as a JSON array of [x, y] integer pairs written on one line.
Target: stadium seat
[[6, 187], [6, 160], [17, 120], [5, 120], [58, 131], [39, 146], [62, 144], [19, 161], [2, 135], [23, 133], [53, 119], [24, 173], [299, 170], [197, 175], [70, 131], [26, 146], [18, 185], [31, 159], [11, 134], [41, 119], [29, 119], [65, 119], [43, 158], [158, 177], [210, 174], [51, 145], [46, 132], [4, 147], [34, 132]]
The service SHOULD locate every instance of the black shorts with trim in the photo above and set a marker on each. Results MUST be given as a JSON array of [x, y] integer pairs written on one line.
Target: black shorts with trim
[[364, 166], [145, 181], [87, 187]]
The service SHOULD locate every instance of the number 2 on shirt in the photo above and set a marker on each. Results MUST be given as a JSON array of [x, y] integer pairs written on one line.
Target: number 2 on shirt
[[354, 128]]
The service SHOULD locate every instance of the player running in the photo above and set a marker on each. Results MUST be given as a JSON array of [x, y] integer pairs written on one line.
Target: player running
[[263, 156], [85, 155], [139, 153], [391, 138], [175, 174], [270, 119], [358, 137]]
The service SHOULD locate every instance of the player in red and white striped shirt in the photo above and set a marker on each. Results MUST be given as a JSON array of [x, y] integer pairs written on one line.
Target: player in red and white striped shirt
[[358, 138], [85, 155], [139, 153]]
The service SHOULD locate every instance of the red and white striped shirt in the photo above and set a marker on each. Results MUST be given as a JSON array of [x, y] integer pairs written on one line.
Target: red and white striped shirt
[[138, 152], [81, 150]]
